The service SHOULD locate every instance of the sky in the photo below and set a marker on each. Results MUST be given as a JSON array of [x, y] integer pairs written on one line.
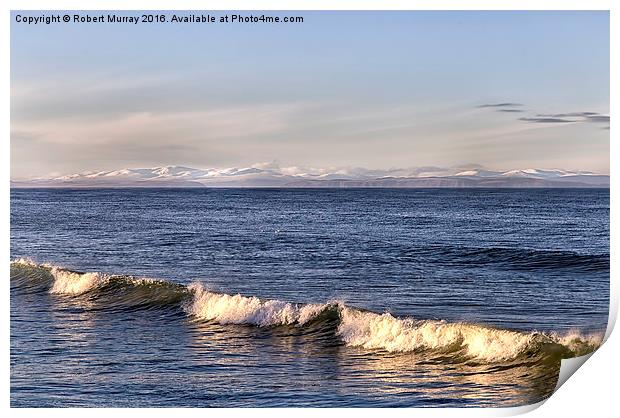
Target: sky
[[507, 90]]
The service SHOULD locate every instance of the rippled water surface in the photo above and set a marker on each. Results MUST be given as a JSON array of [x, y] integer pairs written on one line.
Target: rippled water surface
[[207, 297]]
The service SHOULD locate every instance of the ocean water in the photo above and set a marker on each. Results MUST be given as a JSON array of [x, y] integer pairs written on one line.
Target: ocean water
[[298, 297]]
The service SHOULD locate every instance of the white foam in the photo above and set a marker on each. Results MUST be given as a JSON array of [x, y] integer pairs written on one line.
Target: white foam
[[578, 343], [383, 331], [28, 262], [72, 283], [237, 309], [24, 262]]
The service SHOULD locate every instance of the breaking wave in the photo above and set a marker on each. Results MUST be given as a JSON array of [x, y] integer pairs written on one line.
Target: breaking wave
[[228, 309], [354, 327], [383, 331]]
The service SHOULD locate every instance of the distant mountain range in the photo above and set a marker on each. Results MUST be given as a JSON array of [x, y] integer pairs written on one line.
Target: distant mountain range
[[272, 175]]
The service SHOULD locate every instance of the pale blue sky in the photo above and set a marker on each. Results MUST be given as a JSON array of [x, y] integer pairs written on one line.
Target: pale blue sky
[[372, 89]]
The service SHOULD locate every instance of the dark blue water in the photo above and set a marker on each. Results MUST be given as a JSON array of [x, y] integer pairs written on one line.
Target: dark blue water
[[486, 291]]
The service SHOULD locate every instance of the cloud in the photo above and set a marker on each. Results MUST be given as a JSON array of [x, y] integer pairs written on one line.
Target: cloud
[[146, 129], [568, 117], [551, 118], [23, 135], [496, 105], [546, 120], [599, 118]]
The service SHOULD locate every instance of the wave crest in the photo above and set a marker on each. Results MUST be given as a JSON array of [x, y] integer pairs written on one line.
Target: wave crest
[[73, 283], [237, 309], [353, 327], [383, 331]]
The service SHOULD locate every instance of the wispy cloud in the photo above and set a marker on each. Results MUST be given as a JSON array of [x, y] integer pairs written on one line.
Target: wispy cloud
[[569, 115], [574, 117], [599, 118], [546, 120], [504, 107], [500, 105], [146, 129]]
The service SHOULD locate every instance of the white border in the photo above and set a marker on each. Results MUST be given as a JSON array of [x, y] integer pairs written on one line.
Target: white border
[[592, 391]]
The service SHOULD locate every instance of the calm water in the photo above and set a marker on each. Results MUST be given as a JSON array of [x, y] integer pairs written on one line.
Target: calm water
[[347, 297]]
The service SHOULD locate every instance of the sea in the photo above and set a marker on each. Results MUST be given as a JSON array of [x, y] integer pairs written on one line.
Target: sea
[[302, 297]]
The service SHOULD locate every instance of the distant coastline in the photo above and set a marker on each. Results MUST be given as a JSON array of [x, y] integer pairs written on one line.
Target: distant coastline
[[273, 176], [328, 184]]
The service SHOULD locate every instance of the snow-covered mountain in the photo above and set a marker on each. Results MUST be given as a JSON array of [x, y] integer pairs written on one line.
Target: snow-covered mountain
[[478, 172], [272, 175], [544, 174]]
